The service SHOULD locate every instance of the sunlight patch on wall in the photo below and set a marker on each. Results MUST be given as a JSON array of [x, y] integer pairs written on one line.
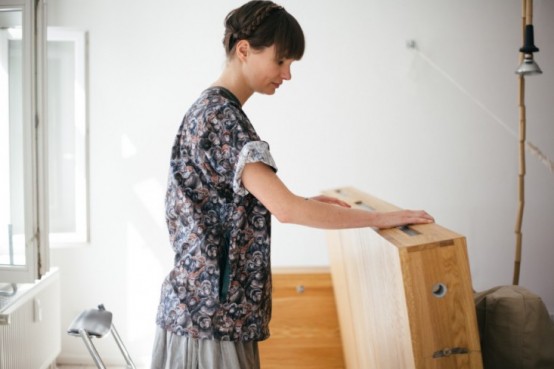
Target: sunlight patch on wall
[[144, 276], [151, 195], [128, 149]]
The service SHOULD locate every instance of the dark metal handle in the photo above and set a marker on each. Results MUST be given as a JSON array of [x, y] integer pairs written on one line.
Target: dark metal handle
[[450, 351]]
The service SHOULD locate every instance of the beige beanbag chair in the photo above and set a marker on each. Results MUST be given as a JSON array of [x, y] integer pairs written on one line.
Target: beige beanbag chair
[[515, 329]]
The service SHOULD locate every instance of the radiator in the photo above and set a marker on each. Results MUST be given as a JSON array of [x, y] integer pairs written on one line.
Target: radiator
[[30, 328]]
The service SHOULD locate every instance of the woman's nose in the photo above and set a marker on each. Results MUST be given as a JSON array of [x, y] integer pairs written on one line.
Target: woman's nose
[[285, 73]]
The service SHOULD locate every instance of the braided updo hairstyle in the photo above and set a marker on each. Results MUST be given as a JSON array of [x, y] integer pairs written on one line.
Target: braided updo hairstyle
[[263, 23]]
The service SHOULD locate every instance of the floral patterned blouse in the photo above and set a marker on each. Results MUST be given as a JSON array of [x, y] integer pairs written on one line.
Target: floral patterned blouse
[[220, 285]]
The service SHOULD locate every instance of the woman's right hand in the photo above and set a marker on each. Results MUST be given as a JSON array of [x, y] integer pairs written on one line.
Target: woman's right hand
[[403, 217]]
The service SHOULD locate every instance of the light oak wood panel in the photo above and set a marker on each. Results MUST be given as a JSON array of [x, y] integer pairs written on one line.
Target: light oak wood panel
[[304, 327], [392, 311]]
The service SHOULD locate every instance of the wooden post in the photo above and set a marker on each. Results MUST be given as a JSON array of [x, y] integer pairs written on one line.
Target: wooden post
[[527, 18]]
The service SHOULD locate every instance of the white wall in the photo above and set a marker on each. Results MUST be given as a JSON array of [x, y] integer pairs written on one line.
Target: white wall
[[433, 128]]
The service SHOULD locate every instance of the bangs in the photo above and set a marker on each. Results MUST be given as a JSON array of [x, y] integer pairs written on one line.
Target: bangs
[[288, 36]]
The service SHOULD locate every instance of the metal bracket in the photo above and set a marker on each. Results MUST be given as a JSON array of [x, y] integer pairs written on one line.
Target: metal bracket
[[450, 351]]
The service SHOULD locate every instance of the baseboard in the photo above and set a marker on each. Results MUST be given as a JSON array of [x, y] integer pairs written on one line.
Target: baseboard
[[77, 360]]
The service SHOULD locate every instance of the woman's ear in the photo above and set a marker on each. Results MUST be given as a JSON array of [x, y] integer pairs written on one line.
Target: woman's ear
[[242, 48]]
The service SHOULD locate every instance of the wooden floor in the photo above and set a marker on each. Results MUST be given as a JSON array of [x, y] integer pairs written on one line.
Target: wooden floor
[[304, 327], [89, 367]]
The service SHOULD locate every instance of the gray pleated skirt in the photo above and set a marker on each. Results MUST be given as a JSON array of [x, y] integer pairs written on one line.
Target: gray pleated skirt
[[177, 352]]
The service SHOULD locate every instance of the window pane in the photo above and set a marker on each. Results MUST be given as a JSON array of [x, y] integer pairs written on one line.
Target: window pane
[[67, 136], [61, 135], [12, 215]]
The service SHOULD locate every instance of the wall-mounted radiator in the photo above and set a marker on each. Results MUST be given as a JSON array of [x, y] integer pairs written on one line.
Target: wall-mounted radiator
[[30, 333]]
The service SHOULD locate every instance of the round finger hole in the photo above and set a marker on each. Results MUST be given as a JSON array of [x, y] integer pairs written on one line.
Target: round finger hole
[[439, 290]]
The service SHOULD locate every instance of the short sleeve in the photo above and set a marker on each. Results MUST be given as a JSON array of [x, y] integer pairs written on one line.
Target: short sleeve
[[253, 151]]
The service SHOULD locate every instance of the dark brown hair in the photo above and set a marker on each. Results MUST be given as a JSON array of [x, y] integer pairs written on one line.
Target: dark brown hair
[[263, 23]]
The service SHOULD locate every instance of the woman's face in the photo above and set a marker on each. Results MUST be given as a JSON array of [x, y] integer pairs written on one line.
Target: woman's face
[[263, 72]]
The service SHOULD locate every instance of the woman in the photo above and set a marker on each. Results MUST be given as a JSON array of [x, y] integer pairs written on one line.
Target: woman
[[223, 188]]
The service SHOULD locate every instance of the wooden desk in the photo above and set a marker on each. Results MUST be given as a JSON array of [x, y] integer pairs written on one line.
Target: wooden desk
[[304, 326]]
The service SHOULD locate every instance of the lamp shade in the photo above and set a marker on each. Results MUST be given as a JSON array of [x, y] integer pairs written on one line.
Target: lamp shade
[[528, 67]]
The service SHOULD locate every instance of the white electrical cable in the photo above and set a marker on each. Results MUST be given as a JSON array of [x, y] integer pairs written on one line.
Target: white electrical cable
[[540, 155], [530, 146]]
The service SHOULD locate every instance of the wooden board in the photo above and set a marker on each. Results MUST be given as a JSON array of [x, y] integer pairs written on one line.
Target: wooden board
[[304, 327], [404, 295]]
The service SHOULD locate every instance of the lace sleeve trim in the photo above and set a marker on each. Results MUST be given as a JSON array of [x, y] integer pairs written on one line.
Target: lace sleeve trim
[[254, 151]]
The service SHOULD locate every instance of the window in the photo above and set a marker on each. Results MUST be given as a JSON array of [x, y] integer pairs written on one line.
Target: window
[[67, 136], [11, 140], [43, 193], [23, 219]]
